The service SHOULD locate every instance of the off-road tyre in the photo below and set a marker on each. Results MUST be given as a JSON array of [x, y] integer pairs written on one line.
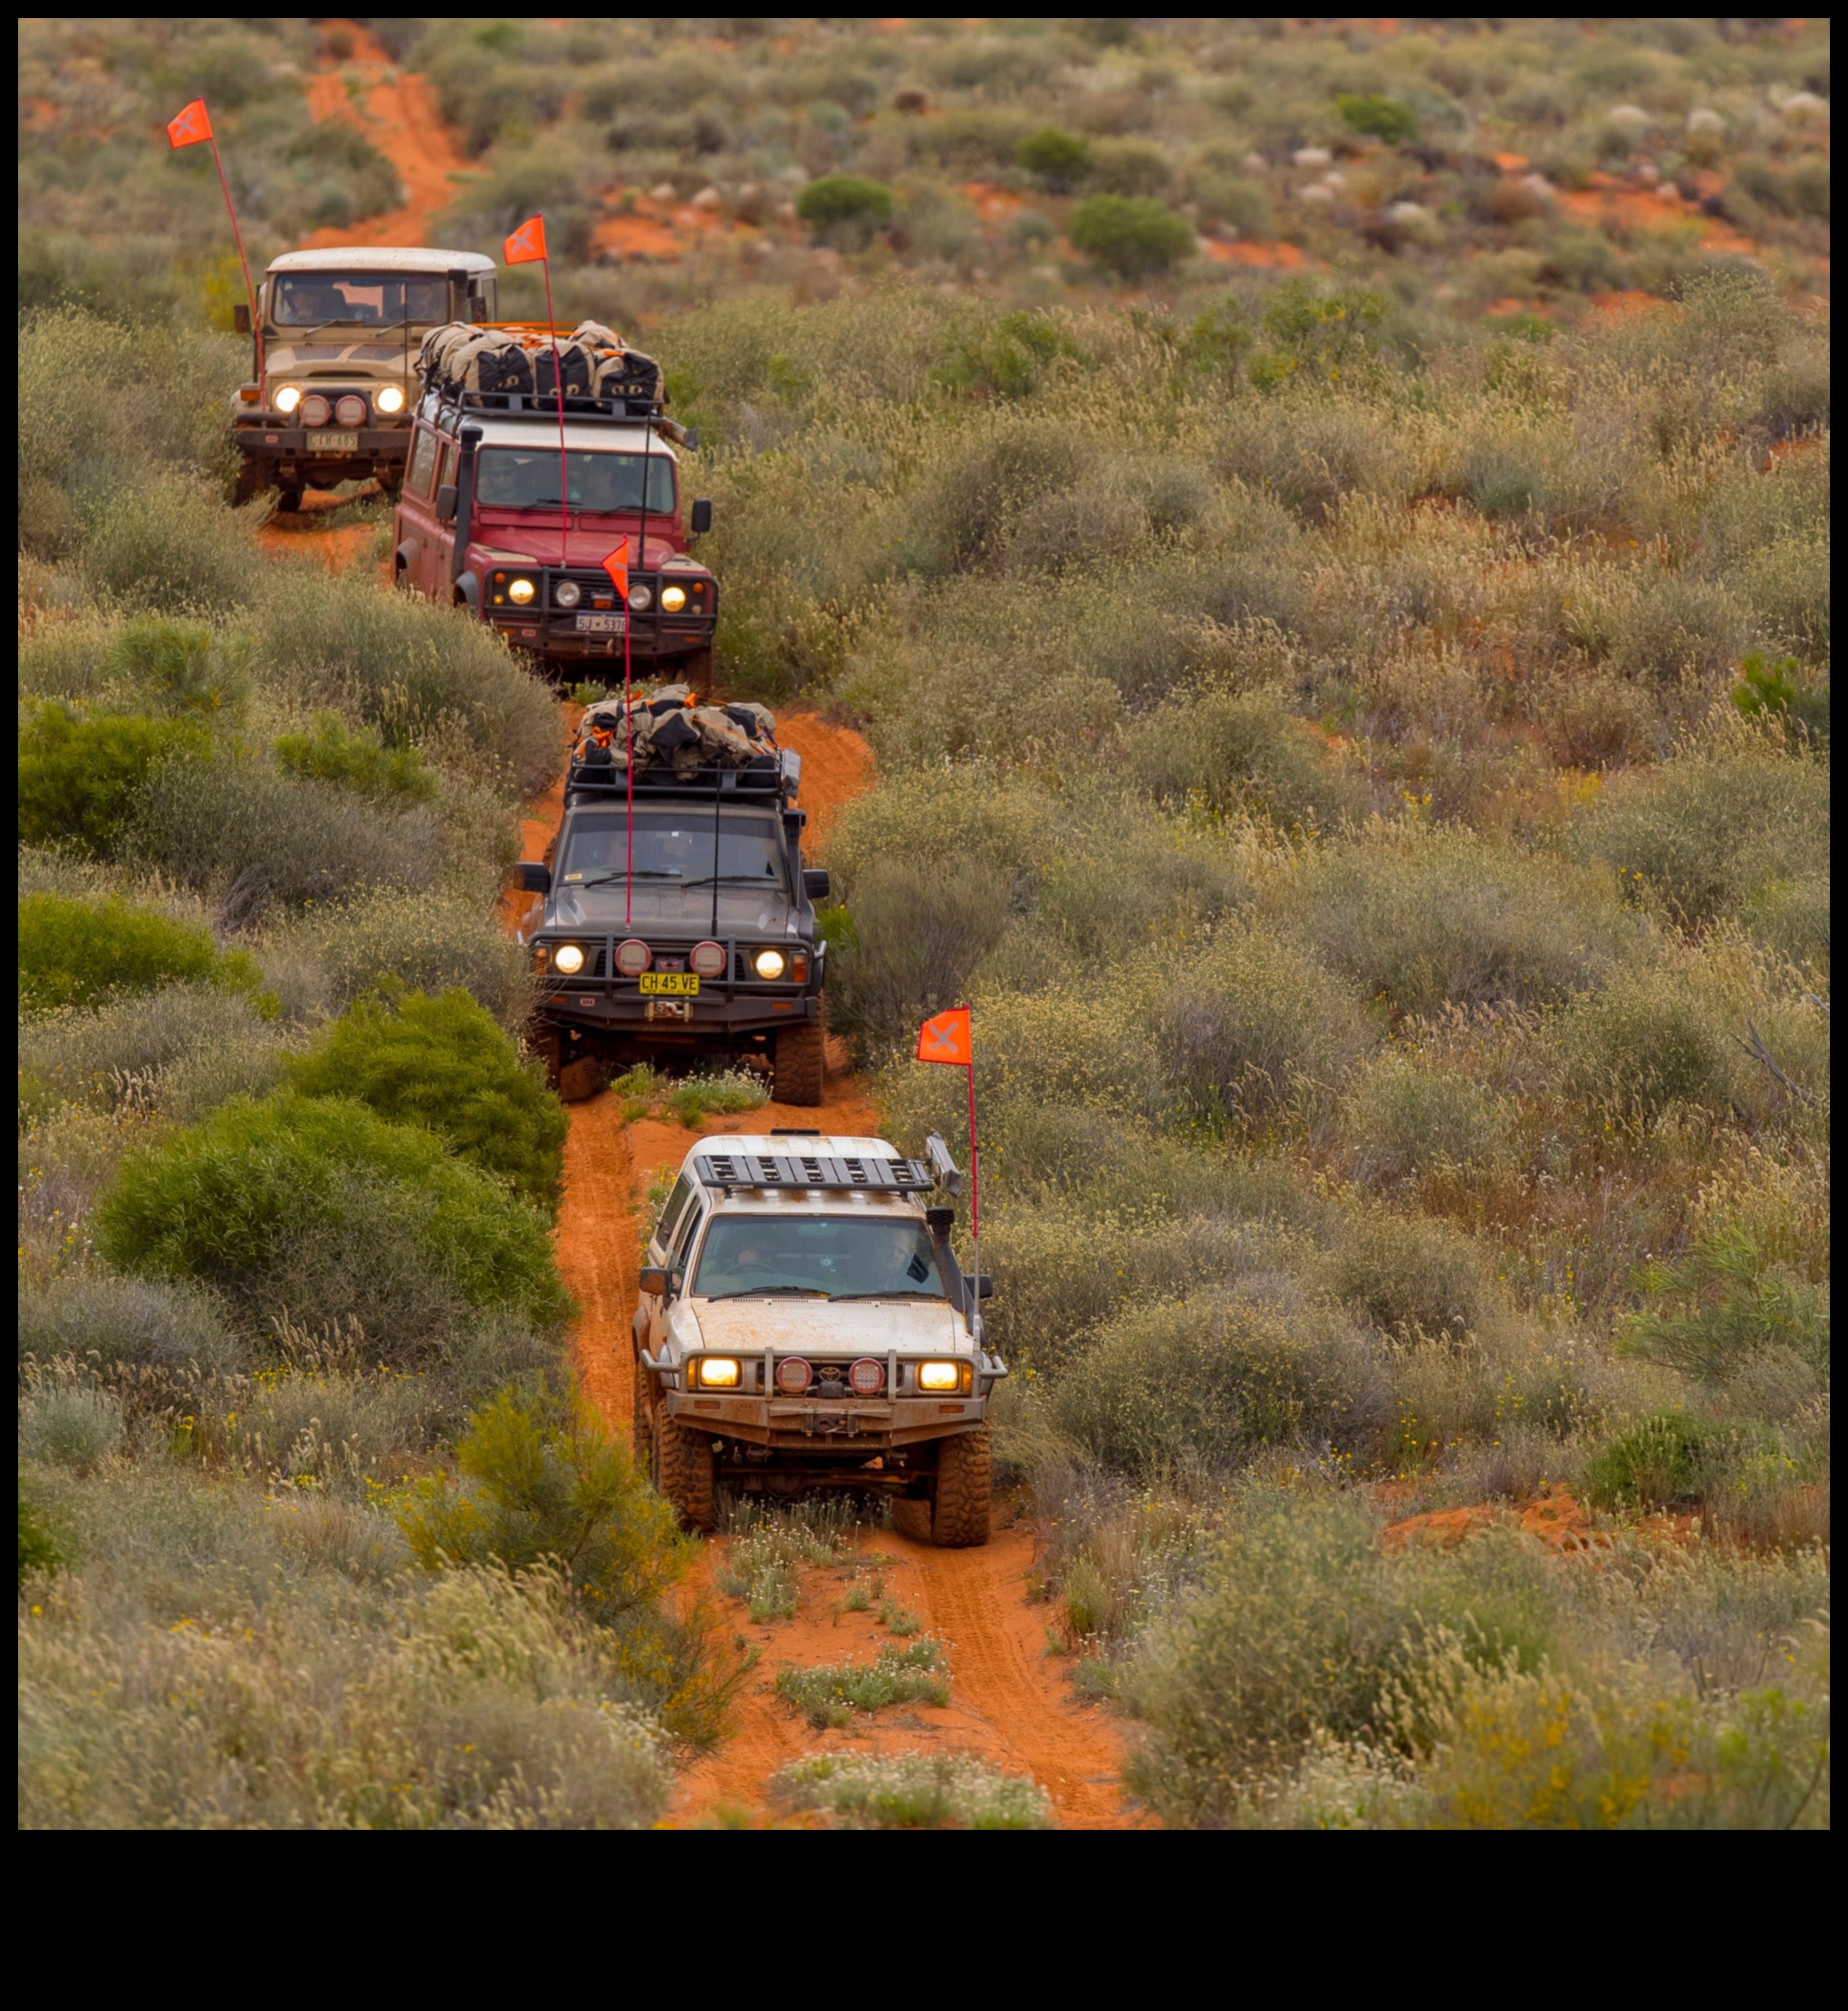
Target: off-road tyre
[[253, 478], [683, 1470], [965, 1487], [695, 669], [289, 497], [799, 1063], [579, 1080], [911, 1519]]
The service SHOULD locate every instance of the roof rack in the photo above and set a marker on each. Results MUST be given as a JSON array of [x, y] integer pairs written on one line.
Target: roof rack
[[451, 398], [828, 1170], [768, 775]]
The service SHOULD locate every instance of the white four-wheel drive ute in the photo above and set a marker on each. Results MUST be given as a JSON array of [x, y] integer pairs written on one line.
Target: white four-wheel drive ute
[[803, 1322]]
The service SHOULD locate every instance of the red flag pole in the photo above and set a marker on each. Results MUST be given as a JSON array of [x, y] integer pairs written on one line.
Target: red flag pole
[[628, 721], [975, 1198], [249, 291], [558, 388]]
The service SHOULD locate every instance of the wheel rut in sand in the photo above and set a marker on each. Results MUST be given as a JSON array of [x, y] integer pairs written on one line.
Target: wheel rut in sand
[[1009, 1703]]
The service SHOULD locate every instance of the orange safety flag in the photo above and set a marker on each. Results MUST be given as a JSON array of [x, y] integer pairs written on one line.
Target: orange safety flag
[[616, 566], [193, 128], [526, 246], [945, 1038]]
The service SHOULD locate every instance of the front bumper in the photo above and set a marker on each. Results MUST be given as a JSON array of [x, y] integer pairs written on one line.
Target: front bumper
[[806, 1425], [720, 1013], [651, 641], [289, 444]]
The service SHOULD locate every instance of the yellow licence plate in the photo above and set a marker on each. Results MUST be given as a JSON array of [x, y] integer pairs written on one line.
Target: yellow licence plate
[[669, 983]]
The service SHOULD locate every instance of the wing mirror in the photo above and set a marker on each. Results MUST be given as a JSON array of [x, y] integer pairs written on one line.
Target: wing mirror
[[815, 882], [446, 504], [654, 1281], [701, 518], [535, 877], [240, 317], [985, 1286]]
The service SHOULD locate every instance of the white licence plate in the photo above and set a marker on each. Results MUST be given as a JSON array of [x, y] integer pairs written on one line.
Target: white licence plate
[[601, 624], [333, 443]]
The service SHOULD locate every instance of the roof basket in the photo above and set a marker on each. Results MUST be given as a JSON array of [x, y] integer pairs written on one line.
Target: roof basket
[[768, 775], [760, 1171]]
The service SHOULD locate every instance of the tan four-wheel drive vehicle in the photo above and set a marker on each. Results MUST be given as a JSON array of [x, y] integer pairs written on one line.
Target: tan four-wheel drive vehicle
[[335, 353], [803, 1322]]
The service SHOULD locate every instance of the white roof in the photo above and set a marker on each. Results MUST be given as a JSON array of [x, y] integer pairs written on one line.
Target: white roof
[[380, 258], [531, 429], [762, 1143]]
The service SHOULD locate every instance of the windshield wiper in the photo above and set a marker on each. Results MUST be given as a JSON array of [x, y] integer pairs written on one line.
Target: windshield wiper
[[641, 873], [905, 1295], [764, 1291], [768, 881]]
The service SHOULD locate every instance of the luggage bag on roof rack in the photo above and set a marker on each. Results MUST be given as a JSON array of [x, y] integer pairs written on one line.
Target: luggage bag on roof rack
[[670, 734], [459, 357]]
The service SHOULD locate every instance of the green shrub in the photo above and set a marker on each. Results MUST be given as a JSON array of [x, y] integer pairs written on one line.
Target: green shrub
[[80, 779], [80, 952], [1654, 1464], [1707, 830], [1647, 1041], [1133, 236], [1444, 918], [38, 1550], [1728, 1302], [845, 209], [1057, 160], [1407, 1273], [915, 934], [181, 665], [724, 1094], [1406, 1118], [1379, 118], [68, 1425], [162, 1322], [828, 1695], [358, 761], [442, 1062], [1228, 753], [262, 1195], [542, 1481], [1208, 1382], [911, 1791], [766, 1552], [169, 546]]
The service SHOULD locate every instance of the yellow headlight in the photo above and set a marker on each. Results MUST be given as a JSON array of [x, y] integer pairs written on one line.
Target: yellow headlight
[[769, 965], [568, 958], [288, 398], [389, 399], [521, 591], [673, 598], [717, 1372], [938, 1375]]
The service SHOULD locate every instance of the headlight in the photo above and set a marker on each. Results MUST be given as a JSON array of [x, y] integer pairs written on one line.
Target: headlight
[[769, 965], [288, 398], [673, 598], [391, 399], [939, 1375], [640, 597], [717, 1372], [567, 593], [568, 958], [520, 592]]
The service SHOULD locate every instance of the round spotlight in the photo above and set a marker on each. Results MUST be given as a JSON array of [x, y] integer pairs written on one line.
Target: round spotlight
[[794, 1375], [288, 398], [390, 399], [567, 593], [707, 959], [640, 597], [569, 958], [769, 965], [316, 409], [351, 410], [866, 1378], [633, 957], [673, 598]]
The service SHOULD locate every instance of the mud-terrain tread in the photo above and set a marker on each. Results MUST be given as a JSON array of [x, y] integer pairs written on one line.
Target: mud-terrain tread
[[683, 1470], [799, 1064], [964, 1468], [642, 1411], [911, 1519]]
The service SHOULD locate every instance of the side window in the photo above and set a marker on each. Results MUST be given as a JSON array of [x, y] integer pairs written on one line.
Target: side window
[[685, 1236], [423, 462], [671, 1214], [448, 472]]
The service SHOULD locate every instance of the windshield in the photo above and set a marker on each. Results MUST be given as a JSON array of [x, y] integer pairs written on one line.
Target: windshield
[[846, 1256], [522, 479], [307, 300], [675, 846]]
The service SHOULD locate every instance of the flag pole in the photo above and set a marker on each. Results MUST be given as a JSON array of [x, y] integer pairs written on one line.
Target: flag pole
[[629, 726], [236, 232], [558, 389], [975, 1200]]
